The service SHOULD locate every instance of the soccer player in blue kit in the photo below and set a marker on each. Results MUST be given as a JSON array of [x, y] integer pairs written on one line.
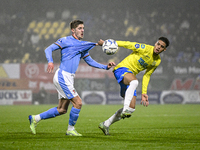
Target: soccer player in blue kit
[[72, 50]]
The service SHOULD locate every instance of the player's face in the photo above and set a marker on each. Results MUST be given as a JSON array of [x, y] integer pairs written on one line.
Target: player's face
[[159, 47], [78, 32]]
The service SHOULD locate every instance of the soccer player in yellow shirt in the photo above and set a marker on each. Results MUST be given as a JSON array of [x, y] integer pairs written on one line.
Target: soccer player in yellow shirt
[[144, 57]]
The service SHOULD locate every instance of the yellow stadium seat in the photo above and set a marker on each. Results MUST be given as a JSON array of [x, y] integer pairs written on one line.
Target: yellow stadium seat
[[7, 61], [46, 37], [55, 36], [55, 24], [67, 31], [59, 31], [25, 59], [51, 31], [43, 31], [32, 24], [62, 24], [36, 30], [40, 24], [47, 25]]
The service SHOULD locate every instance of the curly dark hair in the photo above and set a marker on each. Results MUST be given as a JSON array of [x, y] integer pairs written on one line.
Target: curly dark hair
[[164, 39]]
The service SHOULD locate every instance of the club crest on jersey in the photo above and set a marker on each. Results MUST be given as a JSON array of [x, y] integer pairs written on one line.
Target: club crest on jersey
[[74, 91], [142, 46], [59, 41], [137, 45]]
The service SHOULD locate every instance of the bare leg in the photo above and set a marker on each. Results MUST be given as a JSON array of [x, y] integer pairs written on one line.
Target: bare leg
[[63, 106]]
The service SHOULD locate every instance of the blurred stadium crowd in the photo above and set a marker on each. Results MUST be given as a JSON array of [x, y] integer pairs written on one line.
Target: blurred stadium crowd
[[25, 33]]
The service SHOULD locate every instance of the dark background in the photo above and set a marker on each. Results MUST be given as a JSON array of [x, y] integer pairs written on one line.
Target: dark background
[[24, 36]]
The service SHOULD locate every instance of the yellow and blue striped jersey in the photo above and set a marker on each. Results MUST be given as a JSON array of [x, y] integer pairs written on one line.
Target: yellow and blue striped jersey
[[140, 59]]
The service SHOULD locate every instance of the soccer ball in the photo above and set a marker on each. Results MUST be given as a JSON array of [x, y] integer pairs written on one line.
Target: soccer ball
[[110, 47]]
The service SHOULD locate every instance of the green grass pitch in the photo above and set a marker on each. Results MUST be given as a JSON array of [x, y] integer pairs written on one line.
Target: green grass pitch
[[157, 127]]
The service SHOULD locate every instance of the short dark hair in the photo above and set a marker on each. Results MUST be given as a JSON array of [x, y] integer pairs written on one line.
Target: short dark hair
[[164, 39], [75, 23]]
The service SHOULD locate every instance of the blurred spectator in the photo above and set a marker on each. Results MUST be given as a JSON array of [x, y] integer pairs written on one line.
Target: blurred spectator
[[35, 38]]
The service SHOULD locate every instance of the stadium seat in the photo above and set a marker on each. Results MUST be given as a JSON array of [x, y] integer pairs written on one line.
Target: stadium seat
[[40, 24], [32, 25], [47, 25], [43, 31], [26, 59], [62, 25], [55, 24]]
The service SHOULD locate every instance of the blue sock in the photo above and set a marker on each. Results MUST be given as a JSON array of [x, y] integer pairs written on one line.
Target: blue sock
[[53, 112], [73, 117]]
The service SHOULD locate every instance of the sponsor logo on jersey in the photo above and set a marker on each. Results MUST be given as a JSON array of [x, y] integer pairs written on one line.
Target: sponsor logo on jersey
[[137, 45], [154, 63], [142, 63], [142, 46], [147, 57]]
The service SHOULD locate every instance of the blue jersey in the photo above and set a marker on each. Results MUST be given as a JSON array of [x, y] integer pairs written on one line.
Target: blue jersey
[[72, 50]]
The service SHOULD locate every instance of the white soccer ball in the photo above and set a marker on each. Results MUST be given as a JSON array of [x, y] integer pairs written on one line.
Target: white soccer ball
[[110, 47]]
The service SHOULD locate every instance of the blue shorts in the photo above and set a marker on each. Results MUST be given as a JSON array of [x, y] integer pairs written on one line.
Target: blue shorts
[[64, 83], [119, 75]]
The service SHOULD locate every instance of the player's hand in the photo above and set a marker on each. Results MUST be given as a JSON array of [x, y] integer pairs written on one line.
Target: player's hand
[[110, 64], [144, 100], [50, 67], [100, 42]]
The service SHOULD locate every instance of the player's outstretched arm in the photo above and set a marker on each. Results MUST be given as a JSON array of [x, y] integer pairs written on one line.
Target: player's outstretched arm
[[100, 42], [144, 100], [110, 64]]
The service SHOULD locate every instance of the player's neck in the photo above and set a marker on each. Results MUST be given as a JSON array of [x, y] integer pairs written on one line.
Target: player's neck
[[75, 36]]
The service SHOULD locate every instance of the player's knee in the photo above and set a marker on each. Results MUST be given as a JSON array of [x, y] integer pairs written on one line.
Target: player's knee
[[134, 82], [77, 102], [78, 105]]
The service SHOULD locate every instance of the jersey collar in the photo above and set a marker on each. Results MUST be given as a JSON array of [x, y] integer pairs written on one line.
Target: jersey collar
[[75, 36]]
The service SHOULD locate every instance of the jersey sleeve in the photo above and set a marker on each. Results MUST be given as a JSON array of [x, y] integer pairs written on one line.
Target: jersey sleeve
[[48, 52], [93, 63], [146, 79], [134, 46], [127, 44], [61, 42]]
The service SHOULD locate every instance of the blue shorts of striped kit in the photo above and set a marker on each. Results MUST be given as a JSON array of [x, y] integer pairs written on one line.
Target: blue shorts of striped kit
[[119, 75], [64, 83]]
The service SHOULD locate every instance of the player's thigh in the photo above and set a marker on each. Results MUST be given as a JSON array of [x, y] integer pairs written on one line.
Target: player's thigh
[[128, 77]]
